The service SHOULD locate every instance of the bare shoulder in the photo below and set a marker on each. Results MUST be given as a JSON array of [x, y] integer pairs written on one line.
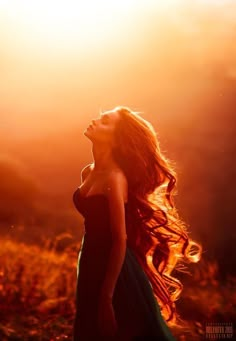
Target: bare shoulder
[[117, 184], [85, 171]]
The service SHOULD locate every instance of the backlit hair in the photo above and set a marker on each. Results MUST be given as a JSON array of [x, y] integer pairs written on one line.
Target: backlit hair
[[156, 234]]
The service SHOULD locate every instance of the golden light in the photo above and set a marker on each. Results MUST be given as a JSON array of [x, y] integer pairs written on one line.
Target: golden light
[[76, 24], [63, 56], [63, 23]]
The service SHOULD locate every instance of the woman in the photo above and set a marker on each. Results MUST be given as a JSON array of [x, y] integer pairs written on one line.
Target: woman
[[133, 235]]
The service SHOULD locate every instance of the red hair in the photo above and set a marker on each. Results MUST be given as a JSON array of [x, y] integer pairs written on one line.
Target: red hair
[[156, 234]]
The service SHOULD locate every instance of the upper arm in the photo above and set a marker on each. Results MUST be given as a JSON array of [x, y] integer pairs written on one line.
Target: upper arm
[[117, 187], [85, 172]]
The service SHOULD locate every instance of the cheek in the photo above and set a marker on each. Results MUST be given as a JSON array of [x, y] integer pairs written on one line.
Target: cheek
[[105, 133]]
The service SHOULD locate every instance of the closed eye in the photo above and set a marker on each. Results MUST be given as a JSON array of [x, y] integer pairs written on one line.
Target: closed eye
[[105, 119]]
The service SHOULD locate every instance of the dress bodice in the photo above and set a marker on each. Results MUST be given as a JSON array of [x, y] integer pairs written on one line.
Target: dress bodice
[[95, 210]]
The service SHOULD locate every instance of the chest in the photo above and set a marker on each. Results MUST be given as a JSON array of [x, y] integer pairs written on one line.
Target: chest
[[94, 184]]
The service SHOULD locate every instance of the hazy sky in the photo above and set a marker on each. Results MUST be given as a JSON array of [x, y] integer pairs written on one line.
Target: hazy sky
[[62, 61]]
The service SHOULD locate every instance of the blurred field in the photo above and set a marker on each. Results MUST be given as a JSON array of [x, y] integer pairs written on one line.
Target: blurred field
[[37, 295]]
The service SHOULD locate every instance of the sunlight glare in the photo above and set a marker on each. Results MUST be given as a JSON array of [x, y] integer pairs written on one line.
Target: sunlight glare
[[64, 23], [67, 21]]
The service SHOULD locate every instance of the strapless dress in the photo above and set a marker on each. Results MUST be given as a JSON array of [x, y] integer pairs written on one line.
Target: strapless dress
[[136, 310]]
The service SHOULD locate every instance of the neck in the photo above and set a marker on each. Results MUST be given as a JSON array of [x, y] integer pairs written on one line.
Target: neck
[[102, 156]]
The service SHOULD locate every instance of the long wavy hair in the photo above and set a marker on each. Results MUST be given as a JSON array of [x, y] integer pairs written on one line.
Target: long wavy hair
[[155, 232]]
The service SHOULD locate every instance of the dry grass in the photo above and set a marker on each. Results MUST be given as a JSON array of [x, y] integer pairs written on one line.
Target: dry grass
[[37, 295]]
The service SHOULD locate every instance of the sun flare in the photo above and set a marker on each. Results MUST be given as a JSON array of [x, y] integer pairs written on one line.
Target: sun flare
[[50, 22]]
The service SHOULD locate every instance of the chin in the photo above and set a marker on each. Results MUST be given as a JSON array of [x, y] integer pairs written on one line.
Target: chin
[[87, 134]]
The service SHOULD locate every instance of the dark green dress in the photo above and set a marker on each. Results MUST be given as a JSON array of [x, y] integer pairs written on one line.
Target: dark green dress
[[136, 310]]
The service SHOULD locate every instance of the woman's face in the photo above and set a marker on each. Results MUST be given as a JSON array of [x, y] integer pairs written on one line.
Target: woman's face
[[102, 129]]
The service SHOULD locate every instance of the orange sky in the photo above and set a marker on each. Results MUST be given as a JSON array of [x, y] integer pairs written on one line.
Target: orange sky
[[60, 62], [175, 62]]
